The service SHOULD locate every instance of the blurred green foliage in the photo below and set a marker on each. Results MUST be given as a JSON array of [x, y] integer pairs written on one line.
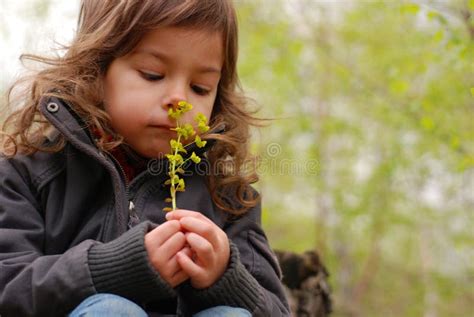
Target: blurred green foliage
[[378, 94]]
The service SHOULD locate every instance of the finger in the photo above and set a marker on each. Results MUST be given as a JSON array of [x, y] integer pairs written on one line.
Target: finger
[[179, 277], [203, 248], [163, 232], [207, 230], [169, 268], [180, 213], [188, 266], [171, 246], [187, 250], [163, 259]]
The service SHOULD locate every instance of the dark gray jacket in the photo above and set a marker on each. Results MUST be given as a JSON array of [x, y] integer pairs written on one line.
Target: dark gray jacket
[[64, 234]]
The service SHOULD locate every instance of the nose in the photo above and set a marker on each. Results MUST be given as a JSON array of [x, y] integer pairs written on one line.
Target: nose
[[174, 94]]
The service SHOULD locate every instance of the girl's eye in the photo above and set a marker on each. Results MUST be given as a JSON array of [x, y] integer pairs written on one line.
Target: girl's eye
[[200, 91], [151, 76]]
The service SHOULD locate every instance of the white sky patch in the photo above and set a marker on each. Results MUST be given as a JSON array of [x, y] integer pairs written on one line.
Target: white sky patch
[[23, 31]]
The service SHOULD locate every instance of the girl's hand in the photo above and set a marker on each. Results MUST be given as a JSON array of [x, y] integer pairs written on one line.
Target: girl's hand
[[209, 245], [162, 245]]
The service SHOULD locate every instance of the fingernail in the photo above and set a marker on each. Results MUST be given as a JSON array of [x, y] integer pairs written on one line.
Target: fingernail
[[168, 215]]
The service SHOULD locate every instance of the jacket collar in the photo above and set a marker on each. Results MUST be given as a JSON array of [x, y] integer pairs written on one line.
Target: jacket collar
[[65, 120]]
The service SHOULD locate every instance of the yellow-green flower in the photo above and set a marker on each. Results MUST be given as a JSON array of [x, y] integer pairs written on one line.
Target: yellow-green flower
[[196, 159], [176, 161], [199, 142]]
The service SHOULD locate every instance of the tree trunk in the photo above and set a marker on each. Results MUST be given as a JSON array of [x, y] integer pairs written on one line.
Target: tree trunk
[[305, 280]]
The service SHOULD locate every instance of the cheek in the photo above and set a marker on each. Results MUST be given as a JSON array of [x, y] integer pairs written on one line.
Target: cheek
[[211, 109], [120, 114], [120, 103], [121, 89], [116, 94], [207, 111], [123, 118], [116, 107]]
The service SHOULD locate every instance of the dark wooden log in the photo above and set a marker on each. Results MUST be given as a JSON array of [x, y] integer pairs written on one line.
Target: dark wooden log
[[306, 281]]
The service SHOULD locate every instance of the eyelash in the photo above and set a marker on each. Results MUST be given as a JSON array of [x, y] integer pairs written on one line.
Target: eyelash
[[155, 77], [151, 77], [200, 91]]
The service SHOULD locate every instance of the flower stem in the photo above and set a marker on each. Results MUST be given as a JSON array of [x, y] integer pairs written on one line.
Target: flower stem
[[173, 173]]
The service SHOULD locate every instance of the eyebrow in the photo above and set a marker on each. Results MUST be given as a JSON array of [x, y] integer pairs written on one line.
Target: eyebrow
[[166, 58]]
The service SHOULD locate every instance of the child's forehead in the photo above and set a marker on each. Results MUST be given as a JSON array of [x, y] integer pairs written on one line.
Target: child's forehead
[[164, 33], [171, 43], [167, 38]]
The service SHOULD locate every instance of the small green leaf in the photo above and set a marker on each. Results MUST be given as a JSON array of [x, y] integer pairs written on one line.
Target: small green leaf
[[175, 145], [167, 209], [203, 127], [181, 186], [185, 131], [199, 142], [170, 157], [174, 114], [168, 200], [472, 91], [189, 130], [200, 118], [176, 179], [184, 106], [177, 159], [196, 159], [202, 122]]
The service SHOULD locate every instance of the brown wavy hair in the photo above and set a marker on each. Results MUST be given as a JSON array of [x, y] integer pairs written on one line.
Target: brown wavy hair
[[109, 29]]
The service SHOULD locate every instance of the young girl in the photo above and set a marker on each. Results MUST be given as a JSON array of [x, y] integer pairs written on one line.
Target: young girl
[[82, 231]]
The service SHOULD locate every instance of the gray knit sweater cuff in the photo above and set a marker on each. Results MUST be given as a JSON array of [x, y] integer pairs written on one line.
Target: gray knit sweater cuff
[[122, 267], [236, 288]]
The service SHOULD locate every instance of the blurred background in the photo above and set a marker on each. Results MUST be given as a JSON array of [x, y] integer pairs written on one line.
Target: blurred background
[[370, 157]]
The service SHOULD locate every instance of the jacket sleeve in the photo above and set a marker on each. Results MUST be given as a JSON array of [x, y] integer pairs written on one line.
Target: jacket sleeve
[[35, 284], [253, 277], [31, 283]]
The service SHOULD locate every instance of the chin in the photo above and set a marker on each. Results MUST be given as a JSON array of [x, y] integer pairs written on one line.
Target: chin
[[155, 153], [153, 149]]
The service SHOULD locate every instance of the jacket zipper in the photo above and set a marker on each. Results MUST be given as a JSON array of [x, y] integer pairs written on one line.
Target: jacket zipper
[[133, 218], [131, 211]]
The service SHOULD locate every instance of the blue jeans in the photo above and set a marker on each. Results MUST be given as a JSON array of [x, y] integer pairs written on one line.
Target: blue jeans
[[103, 305]]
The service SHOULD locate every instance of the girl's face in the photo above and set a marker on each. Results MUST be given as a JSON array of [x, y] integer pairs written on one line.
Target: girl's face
[[168, 65]]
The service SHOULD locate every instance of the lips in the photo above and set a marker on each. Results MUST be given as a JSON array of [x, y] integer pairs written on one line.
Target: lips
[[163, 128]]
